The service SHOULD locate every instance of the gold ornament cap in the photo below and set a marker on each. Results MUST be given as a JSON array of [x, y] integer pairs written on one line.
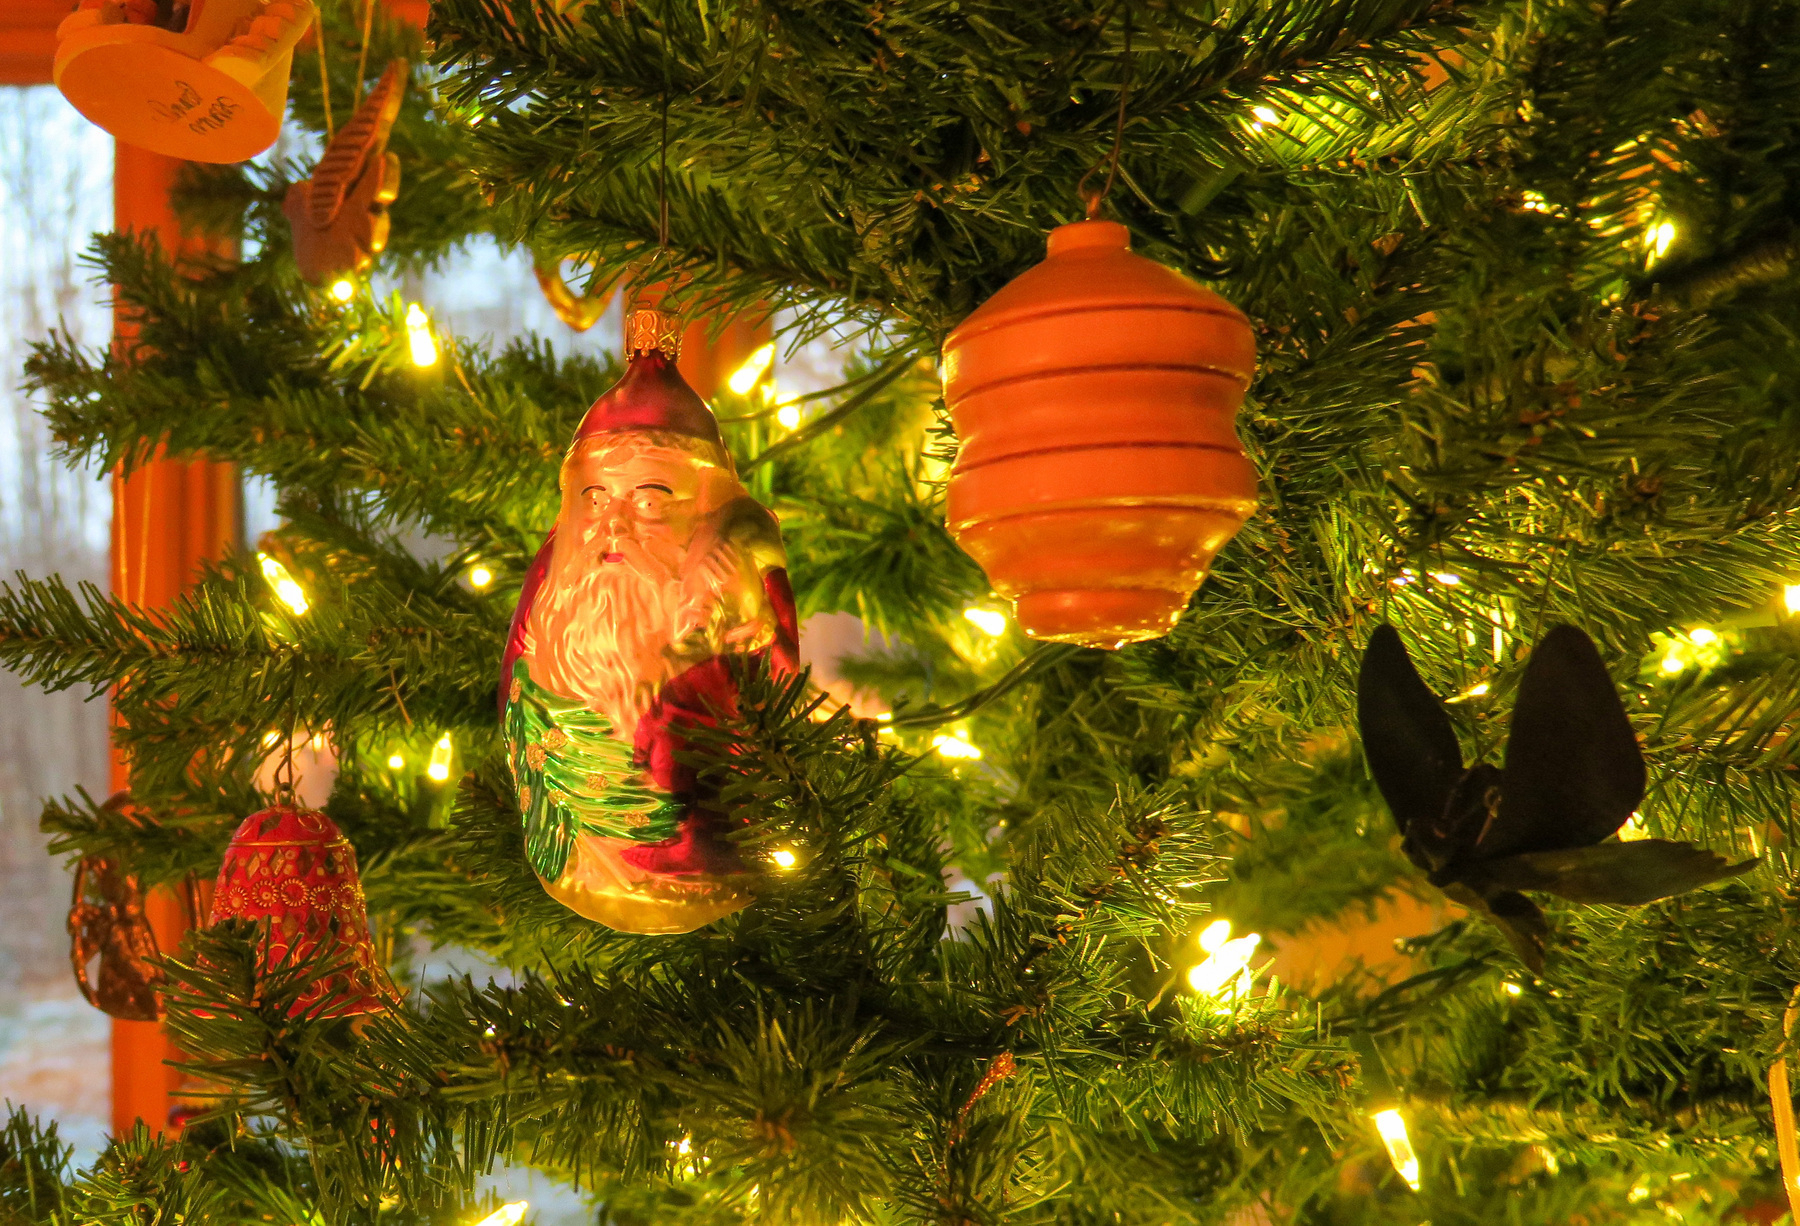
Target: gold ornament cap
[[649, 330]]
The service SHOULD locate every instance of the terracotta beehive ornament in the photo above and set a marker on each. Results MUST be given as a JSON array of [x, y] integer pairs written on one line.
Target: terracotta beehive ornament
[[1095, 397], [204, 80], [579, 311], [292, 871], [339, 214]]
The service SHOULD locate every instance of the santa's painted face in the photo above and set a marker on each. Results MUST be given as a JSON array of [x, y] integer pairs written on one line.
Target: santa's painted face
[[608, 620], [630, 502]]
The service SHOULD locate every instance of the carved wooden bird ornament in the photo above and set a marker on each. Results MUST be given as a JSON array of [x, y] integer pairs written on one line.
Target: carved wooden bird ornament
[[1543, 823], [339, 215]]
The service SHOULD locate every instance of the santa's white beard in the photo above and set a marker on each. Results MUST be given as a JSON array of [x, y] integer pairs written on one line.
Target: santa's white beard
[[603, 632]]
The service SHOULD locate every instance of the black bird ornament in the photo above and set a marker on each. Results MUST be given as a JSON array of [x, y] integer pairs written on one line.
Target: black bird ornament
[[1543, 823]]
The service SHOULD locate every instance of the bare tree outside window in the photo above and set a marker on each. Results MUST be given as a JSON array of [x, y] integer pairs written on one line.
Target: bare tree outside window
[[55, 190]]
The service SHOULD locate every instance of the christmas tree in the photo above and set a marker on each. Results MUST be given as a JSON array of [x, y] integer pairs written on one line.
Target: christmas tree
[[1519, 280]]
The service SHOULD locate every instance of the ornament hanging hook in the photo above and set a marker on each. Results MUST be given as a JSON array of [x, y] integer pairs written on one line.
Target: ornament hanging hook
[[662, 180], [285, 792], [362, 56], [324, 76], [1092, 200], [662, 172]]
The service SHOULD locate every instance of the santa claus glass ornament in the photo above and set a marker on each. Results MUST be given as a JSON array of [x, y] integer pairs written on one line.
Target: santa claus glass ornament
[[659, 568], [1099, 471], [293, 872], [204, 80]]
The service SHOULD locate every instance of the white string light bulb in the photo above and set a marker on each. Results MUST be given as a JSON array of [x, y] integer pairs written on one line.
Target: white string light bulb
[[1399, 1146], [418, 336], [286, 588], [1225, 973], [439, 767], [991, 622], [751, 372]]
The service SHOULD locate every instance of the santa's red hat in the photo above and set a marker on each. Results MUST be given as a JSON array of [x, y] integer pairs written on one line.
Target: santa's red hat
[[652, 395]]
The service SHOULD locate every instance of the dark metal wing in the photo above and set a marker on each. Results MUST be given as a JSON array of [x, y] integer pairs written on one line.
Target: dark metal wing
[[1406, 733], [1574, 772]]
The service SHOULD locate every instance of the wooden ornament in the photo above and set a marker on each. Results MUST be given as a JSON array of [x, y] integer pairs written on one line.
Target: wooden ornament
[[206, 82], [107, 920], [1095, 397], [110, 931], [579, 311], [339, 214]]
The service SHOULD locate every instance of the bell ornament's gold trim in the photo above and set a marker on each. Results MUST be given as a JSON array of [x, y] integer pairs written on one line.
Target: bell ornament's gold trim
[[650, 330]]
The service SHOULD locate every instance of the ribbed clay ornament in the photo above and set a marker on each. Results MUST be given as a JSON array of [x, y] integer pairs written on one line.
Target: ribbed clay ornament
[[1095, 397]]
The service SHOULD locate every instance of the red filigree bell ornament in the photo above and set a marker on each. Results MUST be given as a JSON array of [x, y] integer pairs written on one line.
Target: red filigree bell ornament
[[293, 872]]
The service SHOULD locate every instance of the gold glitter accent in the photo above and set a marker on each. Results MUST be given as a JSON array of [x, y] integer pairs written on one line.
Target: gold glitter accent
[[637, 819], [555, 739], [650, 330], [535, 757], [524, 800], [512, 695], [598, 782]]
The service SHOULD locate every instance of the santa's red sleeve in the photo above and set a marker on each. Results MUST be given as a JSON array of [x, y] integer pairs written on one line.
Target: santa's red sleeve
[[784, 652], [515, 634]]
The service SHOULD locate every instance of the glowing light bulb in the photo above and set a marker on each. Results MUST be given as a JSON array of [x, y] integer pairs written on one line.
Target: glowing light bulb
[[439, 766], [751, 372], [480, 576], [1703, 636], [990, 621], [1511, 988], [1265, 114], [1790, 597], [343, 291], [1399, 1146], [1214, 935], [1672, 664], [784, 859], [419, 338], [286, 589], [954, 746], [270, 738], [395, 761], [1474, 691], [1226, 972], [788, 415], [1658, 238], [506, 1215]]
